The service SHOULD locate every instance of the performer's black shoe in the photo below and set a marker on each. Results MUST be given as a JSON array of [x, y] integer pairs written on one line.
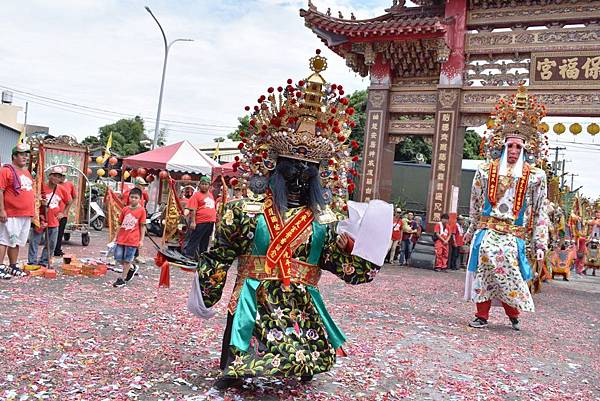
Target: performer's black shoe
[[225, 382], [515, 323], [306, 378], [478, 323]]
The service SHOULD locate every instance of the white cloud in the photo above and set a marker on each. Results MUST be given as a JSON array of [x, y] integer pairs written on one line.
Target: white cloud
[[108, 54]]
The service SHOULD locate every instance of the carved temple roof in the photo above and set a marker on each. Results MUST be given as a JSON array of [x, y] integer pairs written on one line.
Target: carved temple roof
[[409, 38], [398, 20], [515, 3]]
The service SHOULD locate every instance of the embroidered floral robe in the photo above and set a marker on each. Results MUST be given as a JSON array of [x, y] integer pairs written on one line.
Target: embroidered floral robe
[[499, 266], [288, 333]]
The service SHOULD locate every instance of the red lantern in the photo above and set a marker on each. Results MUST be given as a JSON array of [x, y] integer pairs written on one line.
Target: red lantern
[[186, 177], [88, 171], [233, 182], [134, 173], [89, 159], [142, 172], [149, 178], [112, 161], [163, 175], [112, 172]]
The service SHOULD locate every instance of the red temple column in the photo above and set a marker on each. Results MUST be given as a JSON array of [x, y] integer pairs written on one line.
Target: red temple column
[[378, 153], [449, 136]]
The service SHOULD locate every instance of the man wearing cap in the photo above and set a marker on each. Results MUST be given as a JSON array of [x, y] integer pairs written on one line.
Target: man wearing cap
[[55, 200], [140, 183], [70, 188], [204, 214], [17, 199]]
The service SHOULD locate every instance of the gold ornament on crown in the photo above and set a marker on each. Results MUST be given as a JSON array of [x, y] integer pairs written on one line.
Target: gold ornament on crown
[[309, 120], [518, 116]]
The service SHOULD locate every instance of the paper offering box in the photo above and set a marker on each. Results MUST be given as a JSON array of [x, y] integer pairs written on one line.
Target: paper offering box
[[71, 270]]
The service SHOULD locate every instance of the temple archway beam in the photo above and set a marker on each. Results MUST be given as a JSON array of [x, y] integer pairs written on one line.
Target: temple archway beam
[[574, 102]]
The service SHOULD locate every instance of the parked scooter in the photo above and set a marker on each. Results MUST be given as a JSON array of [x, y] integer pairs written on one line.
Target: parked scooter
[[154, 224], [97, 216]]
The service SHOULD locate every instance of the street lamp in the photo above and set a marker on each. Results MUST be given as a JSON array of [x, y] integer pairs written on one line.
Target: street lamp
[[162, 83]]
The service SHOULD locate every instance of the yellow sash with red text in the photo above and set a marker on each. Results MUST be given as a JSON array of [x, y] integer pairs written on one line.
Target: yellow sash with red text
[[279, 252], [520, 191]]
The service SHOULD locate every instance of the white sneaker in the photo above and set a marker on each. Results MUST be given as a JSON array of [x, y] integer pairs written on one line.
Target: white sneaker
[[4, 274]]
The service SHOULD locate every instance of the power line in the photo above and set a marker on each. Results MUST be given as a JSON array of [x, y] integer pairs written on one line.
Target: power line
[[112, 118], [578, 143], [184, 130], [64, 103]]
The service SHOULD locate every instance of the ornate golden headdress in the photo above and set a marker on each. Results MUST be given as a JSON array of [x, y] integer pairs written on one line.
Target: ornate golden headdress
[[309, 121], [517, 117]]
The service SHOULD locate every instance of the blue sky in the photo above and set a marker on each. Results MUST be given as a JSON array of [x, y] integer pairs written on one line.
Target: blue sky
[[107, 54]]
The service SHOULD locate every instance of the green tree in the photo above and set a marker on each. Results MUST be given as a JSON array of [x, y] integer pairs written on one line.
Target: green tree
[[243, 125], [127, 135], [91, 141], [410, 147], [358, 101], [472, 145]]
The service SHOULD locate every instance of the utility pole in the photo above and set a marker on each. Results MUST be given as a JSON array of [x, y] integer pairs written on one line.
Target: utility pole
[[572, 176], [26, 111], [563, 174], [162, 82], [555, 165]]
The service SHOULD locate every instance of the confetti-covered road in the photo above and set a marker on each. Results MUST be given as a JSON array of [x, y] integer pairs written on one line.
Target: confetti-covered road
[[78, 338]]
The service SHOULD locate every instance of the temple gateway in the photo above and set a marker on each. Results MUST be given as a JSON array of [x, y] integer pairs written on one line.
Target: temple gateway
[[440, 67]]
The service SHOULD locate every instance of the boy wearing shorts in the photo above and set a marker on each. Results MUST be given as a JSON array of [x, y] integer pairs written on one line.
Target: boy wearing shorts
[[130, 236]]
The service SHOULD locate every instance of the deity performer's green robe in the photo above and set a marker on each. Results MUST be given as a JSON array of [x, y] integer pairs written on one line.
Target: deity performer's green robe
[[274, 328]]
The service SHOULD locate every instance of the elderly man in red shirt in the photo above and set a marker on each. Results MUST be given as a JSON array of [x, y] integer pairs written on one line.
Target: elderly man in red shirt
[[17, 199], [70, 188], [55, 200], [140, 183]]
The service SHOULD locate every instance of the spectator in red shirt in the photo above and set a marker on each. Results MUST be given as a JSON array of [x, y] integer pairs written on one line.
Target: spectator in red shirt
[[456, 243], [55, 200], [204, 215], [130, 236], [442, 237], [140, 184], [70, 188], [17, 200], [396, 236], [186, 194]]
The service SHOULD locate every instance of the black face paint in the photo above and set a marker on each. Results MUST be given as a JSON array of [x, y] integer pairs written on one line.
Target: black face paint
[[296, 183]]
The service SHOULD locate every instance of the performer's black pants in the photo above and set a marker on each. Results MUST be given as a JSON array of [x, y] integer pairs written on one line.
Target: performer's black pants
[[61, 232], [226, 356], [198, 240], [453, 259]]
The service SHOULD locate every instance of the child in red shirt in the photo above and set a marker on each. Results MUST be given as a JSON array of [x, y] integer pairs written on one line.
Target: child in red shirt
[[130, 236]]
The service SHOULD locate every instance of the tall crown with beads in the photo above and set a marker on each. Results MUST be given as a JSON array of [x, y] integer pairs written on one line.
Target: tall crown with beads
[[520, 117], [310, 121]]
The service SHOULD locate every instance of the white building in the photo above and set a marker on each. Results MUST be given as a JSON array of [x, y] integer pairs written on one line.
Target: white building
[[225, 151]]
